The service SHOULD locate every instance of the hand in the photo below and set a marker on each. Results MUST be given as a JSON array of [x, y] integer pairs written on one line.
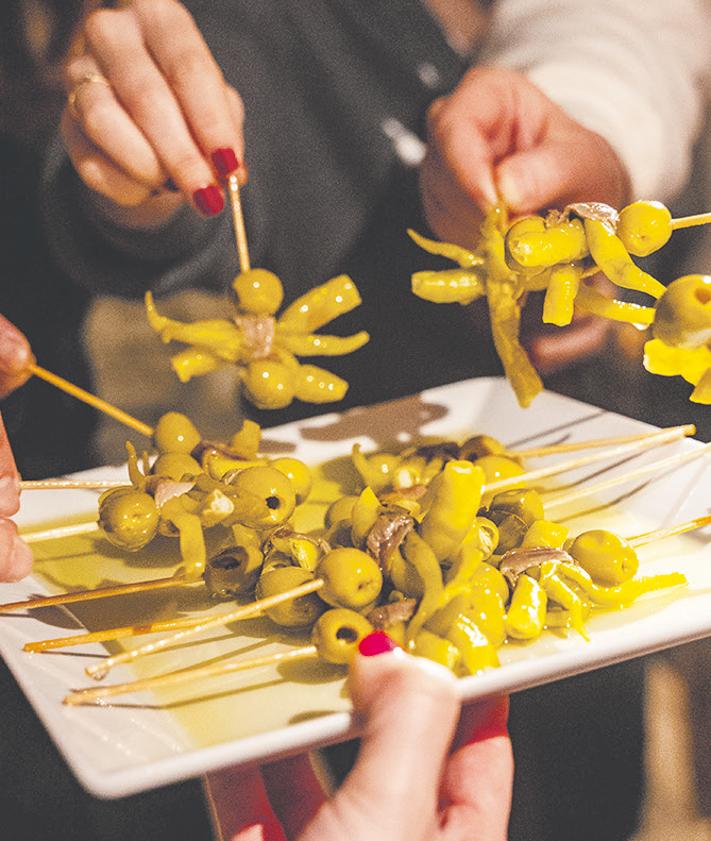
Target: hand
[[148, 107], [419, 776], [15, 358], [497, 135]]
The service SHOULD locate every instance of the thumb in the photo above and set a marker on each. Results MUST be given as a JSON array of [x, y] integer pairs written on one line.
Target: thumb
[[409, 707], [537, 178]]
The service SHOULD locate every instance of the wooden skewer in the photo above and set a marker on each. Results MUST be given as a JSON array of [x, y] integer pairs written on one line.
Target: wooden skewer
[[95, 693], [99, 593], [110, 634], [573, 446], [690, 221], [664, 436], [60, 531], [637, 445], [669, 531], [533, 452], [563, 497], [92, 400], [86, 696], [238, 223], [100, 670], [71, 484]]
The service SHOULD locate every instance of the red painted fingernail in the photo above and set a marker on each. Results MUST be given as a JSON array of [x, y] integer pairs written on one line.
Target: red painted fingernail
[[209, 200], [378, 642], [225, 161]]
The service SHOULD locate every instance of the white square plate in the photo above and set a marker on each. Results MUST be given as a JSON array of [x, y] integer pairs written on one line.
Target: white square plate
[[144, 741]]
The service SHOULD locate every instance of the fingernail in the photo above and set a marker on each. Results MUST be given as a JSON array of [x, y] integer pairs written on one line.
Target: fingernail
[[225, 161], [378, 642], [209, 200], [510, 190]]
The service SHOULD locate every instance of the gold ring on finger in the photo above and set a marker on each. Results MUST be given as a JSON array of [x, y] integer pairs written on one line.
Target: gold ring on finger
[[86, 79]]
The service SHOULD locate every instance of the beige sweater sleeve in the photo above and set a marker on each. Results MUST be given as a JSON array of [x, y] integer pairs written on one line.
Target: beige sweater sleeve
[[630, 70]]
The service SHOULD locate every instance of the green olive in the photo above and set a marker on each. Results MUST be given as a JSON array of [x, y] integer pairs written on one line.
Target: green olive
[[608, 558], [513, 512], [498, 467], [269, 384], [337, 633], [644, 227], [175, 433], [341, 509], [175, 466], [298, 474], [351, 578], [683, 313], [479, 446], [294, 613], [234, 570], [128, 518], [271, 486], [258, 291]]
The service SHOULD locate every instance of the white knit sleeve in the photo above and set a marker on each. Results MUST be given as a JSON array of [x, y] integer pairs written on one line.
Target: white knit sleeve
[[630, 70]]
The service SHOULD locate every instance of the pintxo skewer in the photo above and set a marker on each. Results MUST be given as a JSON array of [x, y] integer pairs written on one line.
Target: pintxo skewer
[[565, 497], [92, 694], [664, 436], [101, 670], [110, 634]]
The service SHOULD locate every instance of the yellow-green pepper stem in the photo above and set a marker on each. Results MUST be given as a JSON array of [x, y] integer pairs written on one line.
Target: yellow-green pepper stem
[[558, 304], [609, 253], [418, 553], [450, 286], [594, 302], [320, 305], [320, 345], [476, 651], [455, 500], [463, 256], [527, 612]]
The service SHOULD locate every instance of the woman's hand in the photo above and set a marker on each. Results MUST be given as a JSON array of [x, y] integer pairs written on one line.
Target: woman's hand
[[149, 111], [426, 769], [15, 358], [497, 136]]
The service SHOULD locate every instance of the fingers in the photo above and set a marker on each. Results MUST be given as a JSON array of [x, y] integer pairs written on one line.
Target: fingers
[[477, 782], [15, 556], [569, 164], [15, 358], [241, 807], [295, 793], [165, 112], [457, 140], [97, 171], [410, 707], [552, 352]]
